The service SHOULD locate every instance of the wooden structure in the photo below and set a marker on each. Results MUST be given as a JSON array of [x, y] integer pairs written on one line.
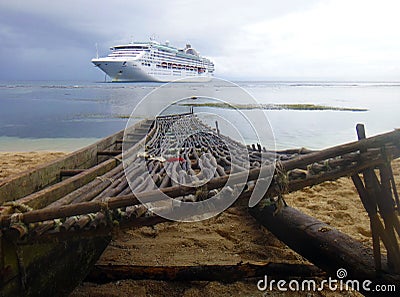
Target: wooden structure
[[22, 261], [64, 213]]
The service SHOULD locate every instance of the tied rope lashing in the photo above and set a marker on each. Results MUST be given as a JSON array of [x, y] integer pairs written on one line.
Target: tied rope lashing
[[16, 218], [201, 193], [105, 209], [18, 206], [119, 160], [281, 185], [105, 179]]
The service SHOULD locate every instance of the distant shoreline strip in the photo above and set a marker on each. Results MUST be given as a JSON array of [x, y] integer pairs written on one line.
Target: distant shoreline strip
[[300, 107], [306, 107]]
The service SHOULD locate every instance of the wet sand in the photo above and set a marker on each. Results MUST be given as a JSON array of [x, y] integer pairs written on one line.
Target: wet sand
[[230, 238]]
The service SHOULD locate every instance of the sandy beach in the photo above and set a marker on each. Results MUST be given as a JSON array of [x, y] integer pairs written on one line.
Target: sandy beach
[[15, 162], [230, 238]]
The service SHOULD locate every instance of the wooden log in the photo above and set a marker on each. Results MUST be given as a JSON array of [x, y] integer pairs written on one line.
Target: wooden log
[[322, 245], [222, 273], [50, 194]]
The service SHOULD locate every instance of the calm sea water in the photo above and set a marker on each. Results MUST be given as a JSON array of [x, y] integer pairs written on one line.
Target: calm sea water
[[69, 115]]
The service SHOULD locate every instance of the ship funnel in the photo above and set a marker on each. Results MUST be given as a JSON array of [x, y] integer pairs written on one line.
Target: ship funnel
[[167, 42]]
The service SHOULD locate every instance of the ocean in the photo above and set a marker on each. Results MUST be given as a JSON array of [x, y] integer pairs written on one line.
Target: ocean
[[64, 116]]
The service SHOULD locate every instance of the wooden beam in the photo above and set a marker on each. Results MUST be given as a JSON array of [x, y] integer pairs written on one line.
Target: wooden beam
[[109, 153], [36, 179], [50, 194], [223, 273], [70, 172]]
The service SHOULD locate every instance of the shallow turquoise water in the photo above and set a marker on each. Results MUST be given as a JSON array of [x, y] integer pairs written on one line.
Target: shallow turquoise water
[[69, 115]]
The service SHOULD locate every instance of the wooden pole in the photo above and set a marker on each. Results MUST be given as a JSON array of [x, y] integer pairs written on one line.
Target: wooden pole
[[375, 223], [216, 127], [378, 195]]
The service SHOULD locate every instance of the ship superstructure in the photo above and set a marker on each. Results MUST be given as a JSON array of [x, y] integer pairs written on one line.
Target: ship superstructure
[[152, 61]]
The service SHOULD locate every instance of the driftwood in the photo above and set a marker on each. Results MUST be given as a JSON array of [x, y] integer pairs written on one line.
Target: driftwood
[[323, 245], [223, 273]]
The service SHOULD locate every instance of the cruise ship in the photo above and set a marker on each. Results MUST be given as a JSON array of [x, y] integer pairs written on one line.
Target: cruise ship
[[155, 62]]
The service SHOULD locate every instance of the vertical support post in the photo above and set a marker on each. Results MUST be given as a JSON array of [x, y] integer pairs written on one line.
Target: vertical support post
[[375, 223], [378, 195], [216, 126], [396, 195]]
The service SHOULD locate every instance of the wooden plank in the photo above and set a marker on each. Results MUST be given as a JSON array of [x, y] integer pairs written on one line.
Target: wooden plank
[[109, 153], [224, 273], [36, 179], [48, 268], [30, 181], [70, 172], [52, 193]]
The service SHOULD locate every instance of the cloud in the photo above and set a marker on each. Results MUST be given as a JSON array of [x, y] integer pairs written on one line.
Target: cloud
[[334, 39], [253, 40]]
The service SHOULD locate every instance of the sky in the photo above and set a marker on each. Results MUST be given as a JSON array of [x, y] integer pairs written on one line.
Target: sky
[[247, 40]]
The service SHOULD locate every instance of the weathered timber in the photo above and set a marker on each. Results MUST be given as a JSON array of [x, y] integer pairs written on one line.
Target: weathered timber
[[376, 226], [70, 172], [50, 194], [199, 151], [176, 191], [222, 273], [36, 179], [109, 153], [378, 196], [49, 268], [322, 245]]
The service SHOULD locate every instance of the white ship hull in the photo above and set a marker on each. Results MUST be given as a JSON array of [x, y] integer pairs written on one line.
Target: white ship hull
[[152, 62], [133, 72]]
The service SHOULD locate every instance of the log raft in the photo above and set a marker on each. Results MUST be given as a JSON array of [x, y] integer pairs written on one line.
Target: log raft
[[86, 198]]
